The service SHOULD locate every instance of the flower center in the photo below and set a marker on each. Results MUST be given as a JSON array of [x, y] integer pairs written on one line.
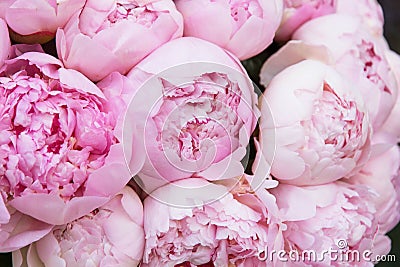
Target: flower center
[[338, 122], [242, 10], [132, 12], [191, 135], [204, 110], [84, 238]]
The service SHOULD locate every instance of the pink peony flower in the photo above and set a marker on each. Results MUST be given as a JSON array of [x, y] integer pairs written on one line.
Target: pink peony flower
[[335, 216], [60, 156], [392, 123], [243, 27], [115, 35], [37, 21], [4, 42], [298, 12], [321, 125], [203, 222], [381, 174], [198, 110], [358, 56], [111, 235], [369, 11]]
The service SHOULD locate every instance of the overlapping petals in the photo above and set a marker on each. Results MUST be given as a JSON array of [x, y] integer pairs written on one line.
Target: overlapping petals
[[111, 235], [296, 13], [18, 230], [37, 21]]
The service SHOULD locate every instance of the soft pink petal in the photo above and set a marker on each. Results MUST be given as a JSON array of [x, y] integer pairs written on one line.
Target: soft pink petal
[[72, 210]]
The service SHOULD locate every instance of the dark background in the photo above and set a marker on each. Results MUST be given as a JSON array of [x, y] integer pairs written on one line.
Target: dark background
[[391, 9], [392, 33]]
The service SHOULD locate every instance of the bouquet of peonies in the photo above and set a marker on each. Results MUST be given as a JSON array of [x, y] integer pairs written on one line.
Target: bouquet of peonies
[[135, 136]]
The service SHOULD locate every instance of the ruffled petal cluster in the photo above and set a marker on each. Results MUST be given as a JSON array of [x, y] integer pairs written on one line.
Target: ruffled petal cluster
[[209, 225]]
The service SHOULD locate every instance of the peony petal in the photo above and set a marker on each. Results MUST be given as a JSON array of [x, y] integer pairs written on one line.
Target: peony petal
[[75, 79], [72, 210], [36, 15], [4, 43]]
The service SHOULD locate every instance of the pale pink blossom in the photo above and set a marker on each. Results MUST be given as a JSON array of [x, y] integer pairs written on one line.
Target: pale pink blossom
[[321, 126], [36, 21], [115, 35], [357, 55], [335, 216], [209, 224], [111, 235], [243, 27], [198, 109], [60, 153]]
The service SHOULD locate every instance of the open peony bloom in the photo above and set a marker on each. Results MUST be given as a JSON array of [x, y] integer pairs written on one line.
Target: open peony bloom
[[297, 12], [114, 35], [198, 108], [111, 235], [321, 126], [357, 55], [208, 225], [381, 173], [59, 153], [4, 42], [243, 27], [37, 21], [335, 216]]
